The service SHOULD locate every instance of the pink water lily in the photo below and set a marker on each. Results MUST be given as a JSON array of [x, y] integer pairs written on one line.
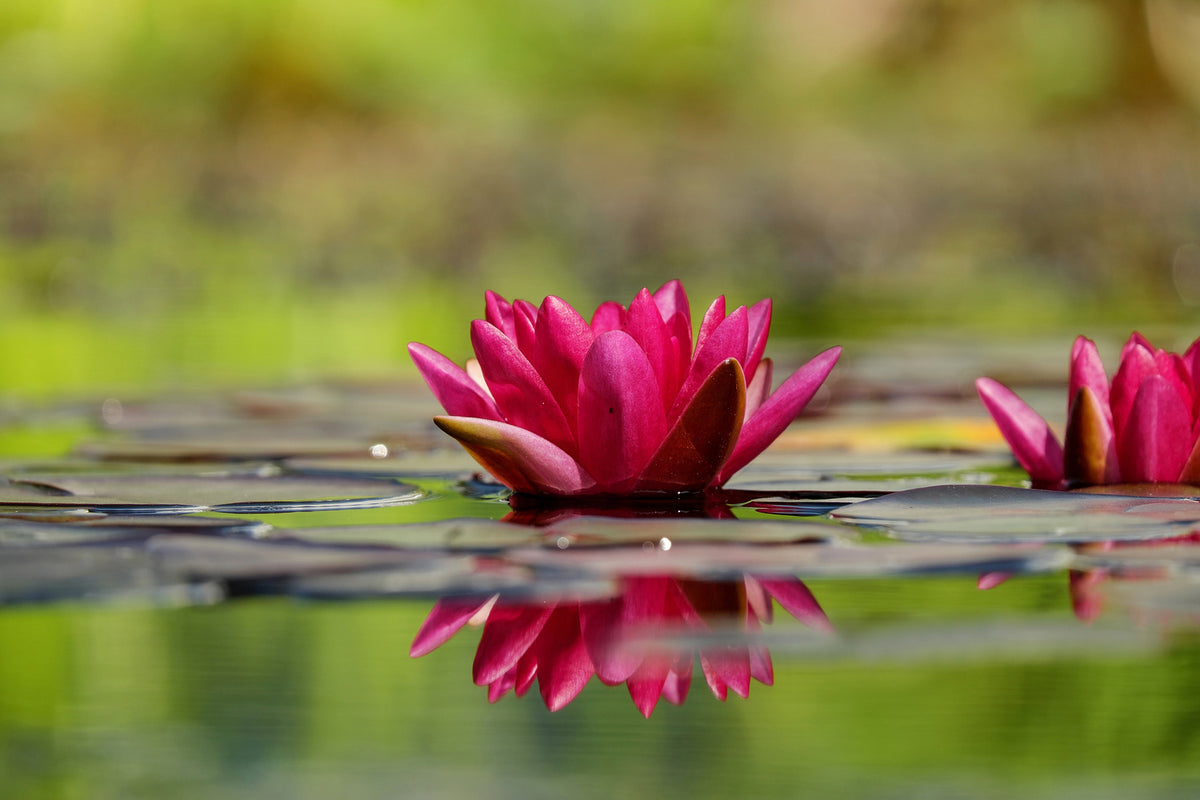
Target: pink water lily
[[563, 645], [624, 404], [1140, 428]]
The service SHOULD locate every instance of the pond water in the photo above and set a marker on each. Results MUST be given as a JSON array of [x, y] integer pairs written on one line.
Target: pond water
[[259, 594]]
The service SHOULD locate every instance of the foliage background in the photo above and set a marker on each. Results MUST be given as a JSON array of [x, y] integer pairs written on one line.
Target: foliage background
[[216, 191]]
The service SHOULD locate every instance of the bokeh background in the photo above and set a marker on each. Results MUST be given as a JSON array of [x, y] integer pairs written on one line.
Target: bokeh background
[[220, 192]]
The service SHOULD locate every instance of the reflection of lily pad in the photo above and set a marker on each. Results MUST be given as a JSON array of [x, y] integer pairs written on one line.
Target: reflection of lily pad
[[608, 531], [239, 494], [1005, 514], [450, 534], [66, 529], [805, 560]]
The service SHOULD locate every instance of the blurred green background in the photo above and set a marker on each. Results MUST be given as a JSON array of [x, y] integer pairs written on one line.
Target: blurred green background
[[221, 192]]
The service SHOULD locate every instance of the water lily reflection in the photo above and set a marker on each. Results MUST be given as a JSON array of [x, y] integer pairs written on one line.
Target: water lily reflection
[[634, 638]]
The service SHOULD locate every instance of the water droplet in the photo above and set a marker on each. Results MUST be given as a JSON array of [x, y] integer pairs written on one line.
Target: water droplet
[[379, 451]]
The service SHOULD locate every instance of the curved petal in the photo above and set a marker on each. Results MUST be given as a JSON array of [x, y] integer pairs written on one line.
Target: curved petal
[[499, 312], [641, 605], [713, 317], [509, 632], [1157, 439], [1088, 370], [778, 411], [520, 459], [607, 317], [759, 388], [727, 340], [563, 664], [760, 327], [562, 340], [1034, 445], [621, 420], [1137, 364], [701, 440], [453, 387], [521, 394], [796, 598], [675, 689], [671, 299], [1089, 447], [646, 684], [646, 326], [445, 619]]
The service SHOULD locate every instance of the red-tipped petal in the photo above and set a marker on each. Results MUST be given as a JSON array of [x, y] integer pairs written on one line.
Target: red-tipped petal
[[1034, 445], [990, 580], [726, 668], [521, 460], [508, 633], [445, 619], [646, 684], [778, 411], [1157, 438], [521, 394], [1089, 447], [796, 598], [453, 387], [621, 420], [701, 440], [641, 606]]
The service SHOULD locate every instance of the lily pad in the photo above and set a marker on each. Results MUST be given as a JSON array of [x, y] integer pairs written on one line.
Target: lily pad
[[579, 531], [64, 528], [983, 513], [175, 494]]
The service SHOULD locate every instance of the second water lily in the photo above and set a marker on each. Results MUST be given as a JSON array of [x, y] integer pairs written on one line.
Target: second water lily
[[623, 404], [1142, 427]]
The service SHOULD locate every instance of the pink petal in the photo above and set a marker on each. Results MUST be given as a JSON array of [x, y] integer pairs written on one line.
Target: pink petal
[[646, 326], [778, 411], [1088, 370], [1157, 439], [562, 340], [1191, 359], [445, 619], [759, 389], [796, 598], [499, 312], [1028, 435], [990, 580], [621, 420], [451, 385], [1137, 364], [521, 460], [679, 680], [760, 328], [699, 443], [521, 394], [758, 602], [563, 664], [608, 317], [1136, 342], [646, 684], [671, 299], [726, 668], [509, 632], [641, 606], [713, 317], [727, 340]]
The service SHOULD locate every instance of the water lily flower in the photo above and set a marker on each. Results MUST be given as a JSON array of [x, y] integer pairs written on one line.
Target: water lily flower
[[622, 640], [1140, 428], [624, 404]]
